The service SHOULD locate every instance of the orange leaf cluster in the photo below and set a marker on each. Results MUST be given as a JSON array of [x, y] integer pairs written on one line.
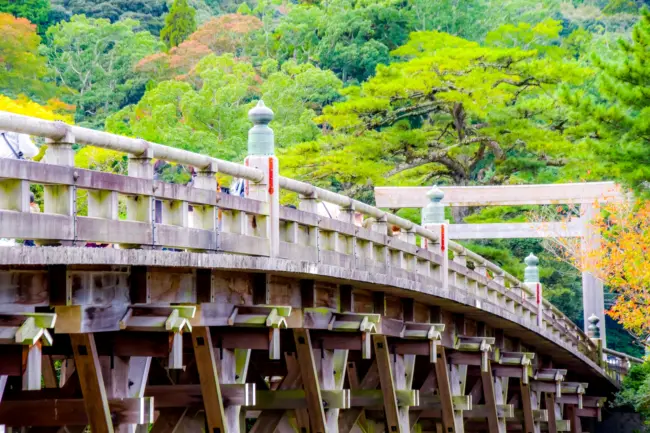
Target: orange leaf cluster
[[223, 34], [623, 262]]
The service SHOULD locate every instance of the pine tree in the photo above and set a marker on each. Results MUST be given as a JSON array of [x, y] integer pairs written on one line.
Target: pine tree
[[613, 118], [179, 24]]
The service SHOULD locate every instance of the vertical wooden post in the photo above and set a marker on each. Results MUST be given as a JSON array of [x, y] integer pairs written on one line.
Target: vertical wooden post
[[530, 425], [210, 388], [310, 380], [452, 421], [387, 384], [550, 408], [495, 424], [92, 382]]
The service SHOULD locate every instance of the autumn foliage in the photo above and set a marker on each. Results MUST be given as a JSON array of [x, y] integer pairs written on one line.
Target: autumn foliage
[[623, 262], [222, 34]]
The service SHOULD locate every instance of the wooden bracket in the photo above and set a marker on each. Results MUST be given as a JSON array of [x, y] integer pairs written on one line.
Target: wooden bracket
[[174, 318], [260, 316], [478, 344], [27, 328], [425, 331]]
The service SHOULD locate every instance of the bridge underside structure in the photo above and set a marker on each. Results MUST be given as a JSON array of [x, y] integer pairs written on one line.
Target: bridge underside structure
[[259, 317]]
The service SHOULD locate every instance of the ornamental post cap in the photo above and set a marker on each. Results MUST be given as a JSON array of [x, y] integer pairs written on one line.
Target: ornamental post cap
[[531, 260], [435, 194], [593, 319], [260, 114]]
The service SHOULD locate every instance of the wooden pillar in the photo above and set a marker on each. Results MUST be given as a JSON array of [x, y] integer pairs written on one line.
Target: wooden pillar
[[310, 381], [387, 383], [451, 420], [530, 425], [92, 383], [232, 366], [495, 424], [349, 417], [210, 387]]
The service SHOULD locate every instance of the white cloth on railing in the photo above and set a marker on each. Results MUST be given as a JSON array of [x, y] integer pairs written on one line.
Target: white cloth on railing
[[13, 144]]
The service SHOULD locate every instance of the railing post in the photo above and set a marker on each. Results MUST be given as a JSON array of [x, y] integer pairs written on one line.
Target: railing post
[[433, 219], [593, 332], [531, 280], [142, 208], [206, 217], [261, 155], [60, 199]]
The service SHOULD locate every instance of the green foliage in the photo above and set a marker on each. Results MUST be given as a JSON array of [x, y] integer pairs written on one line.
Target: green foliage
[[179, 24], [149, 13], [613, 119], [36, 11], [94, 59], [187, 115], [635, 391], [22, 67], [453, 112]]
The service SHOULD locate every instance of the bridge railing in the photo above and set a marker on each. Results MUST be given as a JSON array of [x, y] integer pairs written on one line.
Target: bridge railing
[[83, 206]]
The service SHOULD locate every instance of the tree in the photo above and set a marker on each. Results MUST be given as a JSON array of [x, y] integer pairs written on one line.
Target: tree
[[453, 112], [623, 263], [22, 67], [54, 109], [224, 34], [36, 11], [612, 118], [95, 60], [207, 113], [149, 13], [179, 24]]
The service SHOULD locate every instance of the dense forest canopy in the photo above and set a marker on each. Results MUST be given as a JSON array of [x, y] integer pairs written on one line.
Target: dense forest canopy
[[366, 92]]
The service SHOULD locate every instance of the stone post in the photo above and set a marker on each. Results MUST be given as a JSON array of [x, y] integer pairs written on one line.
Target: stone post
[[261, 155], [531, 280], [433, 219]]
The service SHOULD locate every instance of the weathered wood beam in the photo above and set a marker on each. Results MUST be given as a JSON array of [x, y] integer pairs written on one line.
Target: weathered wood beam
[[210, 388], [387, 383], [530, 425], [168, 420], [496, 424], [349, 417], [310, 380], [452, 421], [550, 408], [525, 230], [43, 413], [92, 383]]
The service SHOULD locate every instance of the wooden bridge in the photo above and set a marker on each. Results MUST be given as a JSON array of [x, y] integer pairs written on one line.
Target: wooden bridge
[[251, 316]]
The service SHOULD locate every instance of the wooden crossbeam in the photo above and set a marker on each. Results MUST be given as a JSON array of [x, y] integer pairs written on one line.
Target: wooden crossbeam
[[210, 388], [348, 418], [44, 413], [386, 382], [550, 408], [91, 381], [310, 380]]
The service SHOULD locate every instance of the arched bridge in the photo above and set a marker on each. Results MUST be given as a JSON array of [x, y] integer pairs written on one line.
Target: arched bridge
[[217, 312]]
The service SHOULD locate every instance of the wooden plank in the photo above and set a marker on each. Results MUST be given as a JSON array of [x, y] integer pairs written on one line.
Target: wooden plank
[[310, 380], [502, 195], [525, 230], [386, 382], [346, 298], [210, 388], [450, 421], [49, 373], [92, 383]]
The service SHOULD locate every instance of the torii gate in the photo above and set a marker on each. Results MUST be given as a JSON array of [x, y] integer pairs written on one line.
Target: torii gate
[[583, 194]]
